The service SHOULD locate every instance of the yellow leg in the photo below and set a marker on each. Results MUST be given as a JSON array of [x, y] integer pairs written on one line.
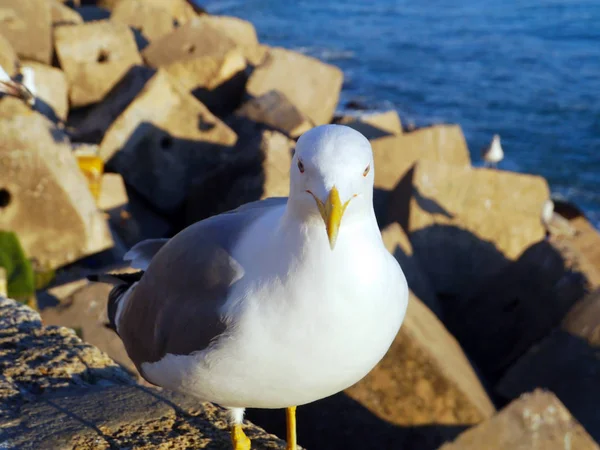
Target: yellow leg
[[290, 415], [239, 439]]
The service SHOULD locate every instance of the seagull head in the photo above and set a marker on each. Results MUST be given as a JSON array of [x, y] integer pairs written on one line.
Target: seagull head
[[331, 177]]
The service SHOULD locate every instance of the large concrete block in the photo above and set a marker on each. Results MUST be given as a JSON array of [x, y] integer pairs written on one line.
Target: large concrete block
[[374, 125], [425, 378], [195, 38], [157, 146], [27, 25], [242, 33], [46, 200], [95, 56], [465, 224], [311, 85], [150, 19], [394, 156], [8, 57], [565, 365], [63, 15], [218, 81], [51, 90], [535, 421], [275, 110]]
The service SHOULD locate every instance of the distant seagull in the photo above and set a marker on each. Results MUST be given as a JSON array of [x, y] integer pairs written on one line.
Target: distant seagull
[[554, 223], [493, 154], [24, 89]]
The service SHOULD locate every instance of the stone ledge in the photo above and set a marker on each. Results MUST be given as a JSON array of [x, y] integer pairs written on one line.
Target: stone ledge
[[58, 392]]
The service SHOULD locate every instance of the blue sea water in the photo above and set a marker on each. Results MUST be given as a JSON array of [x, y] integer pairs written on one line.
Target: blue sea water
[[528, 70]]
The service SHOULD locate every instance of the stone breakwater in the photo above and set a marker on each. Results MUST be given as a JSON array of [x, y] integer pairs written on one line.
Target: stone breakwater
[[150, 115]]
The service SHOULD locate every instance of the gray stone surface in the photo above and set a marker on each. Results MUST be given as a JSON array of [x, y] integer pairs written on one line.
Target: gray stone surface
[[58, 392]]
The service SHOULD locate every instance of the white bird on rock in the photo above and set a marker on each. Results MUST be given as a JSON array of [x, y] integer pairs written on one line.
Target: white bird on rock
[[493, 154], [276, 304], [24, 89]]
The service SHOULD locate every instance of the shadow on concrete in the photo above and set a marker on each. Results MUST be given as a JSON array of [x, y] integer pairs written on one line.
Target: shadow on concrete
[[339, 422]]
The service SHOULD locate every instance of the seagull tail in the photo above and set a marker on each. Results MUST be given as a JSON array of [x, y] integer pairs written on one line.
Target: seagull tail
[[122, 282]]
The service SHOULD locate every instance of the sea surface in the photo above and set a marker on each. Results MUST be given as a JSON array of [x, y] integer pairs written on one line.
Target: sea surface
[[527, 70]]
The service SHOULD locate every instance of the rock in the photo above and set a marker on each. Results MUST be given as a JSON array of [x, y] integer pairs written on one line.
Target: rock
[[275, 110], [150, 19], [583, 319], [95, 56], [258, 169], [58, 392], [27, 26], [394, 156], [277, 150], [535, 421], [375, 125], [157, 147], [51, 91], [218, 81], [242, 33], [35, 360], [514, 309], [48, 202], [8, 57], [63, 15], [466, 224], [194, 39], [311, 85], [113, 193], [85, 310], [586, 248], [425, 378], [181, 11], [95, 123], [566, 365], [398, 244]]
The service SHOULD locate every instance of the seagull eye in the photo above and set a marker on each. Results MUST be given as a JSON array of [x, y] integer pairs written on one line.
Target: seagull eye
[[300, 166], [367, 170]]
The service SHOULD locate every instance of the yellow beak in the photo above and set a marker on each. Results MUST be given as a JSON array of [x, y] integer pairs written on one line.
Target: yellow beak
[[331, 212]]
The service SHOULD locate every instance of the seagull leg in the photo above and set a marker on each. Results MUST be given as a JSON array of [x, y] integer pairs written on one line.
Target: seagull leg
[[290, 415], [238, 438]]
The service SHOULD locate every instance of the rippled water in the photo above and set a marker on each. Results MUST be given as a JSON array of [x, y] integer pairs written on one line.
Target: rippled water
[[528, 70]]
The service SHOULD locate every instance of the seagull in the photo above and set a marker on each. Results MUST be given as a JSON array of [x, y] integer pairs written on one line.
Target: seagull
[[276, 304], [25, 89], [493, 154]]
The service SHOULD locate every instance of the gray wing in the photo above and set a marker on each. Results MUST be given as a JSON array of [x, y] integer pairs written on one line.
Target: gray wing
[[175, 306]]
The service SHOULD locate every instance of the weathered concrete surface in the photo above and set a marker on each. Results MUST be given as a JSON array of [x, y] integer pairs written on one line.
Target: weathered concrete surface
[[157, 147], [397, 243], [460, 217], [566, 365], [52, 91], [151, 20], [113, 192], [57, 392], [95, 56], [311, 85], [242, 33], [27, 26], [50, 205], [394, 156], [375, 125], [63, 15], [535, 421], [275, 110], [425, 378], [8, 57], [515, 308]]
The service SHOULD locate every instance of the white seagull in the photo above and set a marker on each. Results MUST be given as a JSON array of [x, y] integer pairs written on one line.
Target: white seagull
[[493, 154], [25, 89], [278, 303]]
